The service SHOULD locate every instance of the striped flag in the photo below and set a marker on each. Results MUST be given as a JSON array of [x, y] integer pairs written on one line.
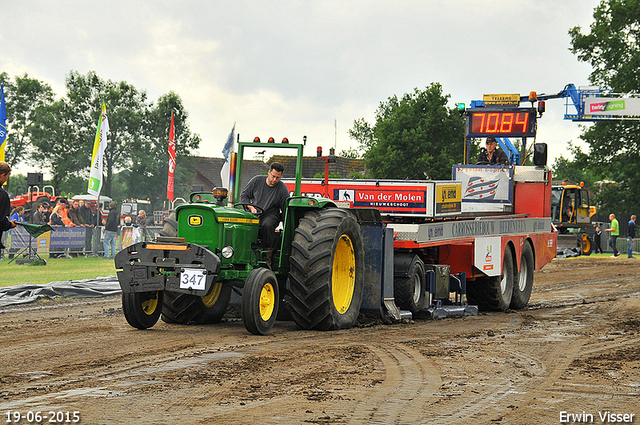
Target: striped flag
[[481, 188], [99, 146], [226, 153], [3, 123], [172, 159]]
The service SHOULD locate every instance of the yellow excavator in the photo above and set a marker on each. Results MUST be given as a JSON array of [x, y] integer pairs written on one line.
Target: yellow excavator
[[571, 213]]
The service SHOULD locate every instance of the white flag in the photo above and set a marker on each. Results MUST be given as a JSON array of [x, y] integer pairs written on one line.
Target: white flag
[[99, 146]]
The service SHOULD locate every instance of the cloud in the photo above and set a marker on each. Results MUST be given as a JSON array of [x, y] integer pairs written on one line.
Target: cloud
[[294, 68]]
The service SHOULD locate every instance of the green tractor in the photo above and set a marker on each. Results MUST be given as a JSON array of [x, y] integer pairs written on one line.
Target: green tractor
[[211, 250]]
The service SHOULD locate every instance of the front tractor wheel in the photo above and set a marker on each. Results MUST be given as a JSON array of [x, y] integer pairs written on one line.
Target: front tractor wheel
[[327, 270], [142, 309], [260, 299], [185, 308]]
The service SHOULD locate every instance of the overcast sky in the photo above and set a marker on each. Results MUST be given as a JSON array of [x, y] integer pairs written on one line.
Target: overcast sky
[[294, 68]]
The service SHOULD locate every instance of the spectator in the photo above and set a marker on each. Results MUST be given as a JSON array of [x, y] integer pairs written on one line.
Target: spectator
[[142, 219], [89, 217], [596, 240], [614, 231], [17, 216], [631, 235], [47, 212], [62, 211], [55, 219], [111, 230], [38, 216], [74, 214], [76, 219], [5, 203]]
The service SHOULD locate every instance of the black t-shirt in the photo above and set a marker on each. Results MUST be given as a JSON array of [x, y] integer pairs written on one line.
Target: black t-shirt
[[271, 199], [5, 210]]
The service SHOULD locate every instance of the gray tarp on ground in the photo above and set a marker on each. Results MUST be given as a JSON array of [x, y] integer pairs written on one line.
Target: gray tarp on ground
[[85, 288]]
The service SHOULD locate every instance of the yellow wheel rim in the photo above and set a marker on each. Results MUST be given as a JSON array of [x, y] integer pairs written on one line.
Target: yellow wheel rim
[[586, 244], [210, 299], [149, 305], [344, 274], [267, 301]]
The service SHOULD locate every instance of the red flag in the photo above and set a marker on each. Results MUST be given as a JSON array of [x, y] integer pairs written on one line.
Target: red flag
[[172, 160]]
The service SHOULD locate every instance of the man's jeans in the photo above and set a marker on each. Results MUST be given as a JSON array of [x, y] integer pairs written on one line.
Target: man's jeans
[[110, 240], [612, 243], [630, 250]]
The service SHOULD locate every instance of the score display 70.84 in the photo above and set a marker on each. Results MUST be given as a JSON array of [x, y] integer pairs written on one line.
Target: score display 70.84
[[501, 122]]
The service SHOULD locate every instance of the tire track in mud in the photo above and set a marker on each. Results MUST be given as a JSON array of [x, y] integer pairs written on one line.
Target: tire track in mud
[[410, 381]]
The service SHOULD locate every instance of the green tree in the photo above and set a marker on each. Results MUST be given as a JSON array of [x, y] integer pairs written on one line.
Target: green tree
[[414, 137], [64, 132], [577, 169], [147, 173], [22, 97], [612, 48]]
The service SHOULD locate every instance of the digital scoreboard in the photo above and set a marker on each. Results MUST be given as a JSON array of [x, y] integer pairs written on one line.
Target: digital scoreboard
[[501, 122]]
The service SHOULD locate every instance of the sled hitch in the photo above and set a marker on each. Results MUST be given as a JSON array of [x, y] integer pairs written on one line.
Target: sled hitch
[[171, 265]]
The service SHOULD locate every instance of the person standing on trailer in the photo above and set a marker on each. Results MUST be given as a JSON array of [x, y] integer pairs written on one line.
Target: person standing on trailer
[[491, 155]]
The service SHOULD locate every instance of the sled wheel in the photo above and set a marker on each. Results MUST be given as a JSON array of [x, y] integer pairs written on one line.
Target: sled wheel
[[524, 280], [494, 292], [260, 298], [185, 308], [409, 291], [327, 270], [142, 309]]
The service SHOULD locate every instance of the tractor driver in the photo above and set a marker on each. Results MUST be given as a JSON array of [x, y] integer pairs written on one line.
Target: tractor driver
[[269, 195], [491, 155]]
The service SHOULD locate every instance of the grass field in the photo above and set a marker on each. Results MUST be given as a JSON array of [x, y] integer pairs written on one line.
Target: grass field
[[61, 269]]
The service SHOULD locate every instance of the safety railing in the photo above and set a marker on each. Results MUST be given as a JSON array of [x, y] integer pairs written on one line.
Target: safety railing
[[72, 241]]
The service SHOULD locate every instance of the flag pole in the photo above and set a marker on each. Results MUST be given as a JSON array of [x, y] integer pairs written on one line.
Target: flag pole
[[172, 160]]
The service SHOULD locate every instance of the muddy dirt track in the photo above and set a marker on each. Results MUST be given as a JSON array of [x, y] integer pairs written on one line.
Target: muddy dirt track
[[576, 350]]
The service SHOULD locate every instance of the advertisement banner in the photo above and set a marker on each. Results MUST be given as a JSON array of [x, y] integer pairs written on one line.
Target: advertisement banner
[[612, 106], [68, 237]]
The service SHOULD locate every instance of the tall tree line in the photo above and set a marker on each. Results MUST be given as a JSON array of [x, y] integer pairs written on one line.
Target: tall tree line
[[612, 48], [57, 134]]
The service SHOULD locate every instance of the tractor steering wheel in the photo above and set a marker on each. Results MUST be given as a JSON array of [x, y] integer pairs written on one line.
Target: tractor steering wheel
[[245, 207]]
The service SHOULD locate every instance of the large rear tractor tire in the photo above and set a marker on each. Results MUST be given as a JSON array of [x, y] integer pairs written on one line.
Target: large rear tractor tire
[[494, 292], [142, 309], [409, 291], [524, 280], [184, 308], [260, 299], [327, 270]]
